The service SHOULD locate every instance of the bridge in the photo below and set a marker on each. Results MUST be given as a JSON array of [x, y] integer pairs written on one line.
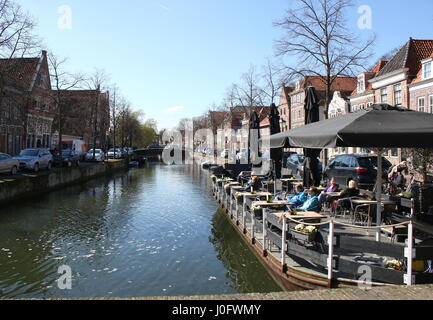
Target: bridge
[[154, 153]]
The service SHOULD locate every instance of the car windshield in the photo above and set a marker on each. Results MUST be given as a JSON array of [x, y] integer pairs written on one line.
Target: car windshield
[[371, 162], [29, 153]]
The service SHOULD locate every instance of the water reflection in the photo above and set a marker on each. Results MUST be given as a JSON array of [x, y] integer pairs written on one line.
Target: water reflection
[[141, 233]]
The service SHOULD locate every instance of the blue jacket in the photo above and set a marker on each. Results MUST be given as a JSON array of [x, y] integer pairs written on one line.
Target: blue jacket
[[312, 204], [298, 199]]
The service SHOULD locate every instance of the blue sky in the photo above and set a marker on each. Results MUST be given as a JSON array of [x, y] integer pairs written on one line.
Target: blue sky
[[174, 58]]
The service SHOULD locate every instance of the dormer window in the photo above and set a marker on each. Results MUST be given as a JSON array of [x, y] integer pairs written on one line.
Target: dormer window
[[361, 83], [427, 72]]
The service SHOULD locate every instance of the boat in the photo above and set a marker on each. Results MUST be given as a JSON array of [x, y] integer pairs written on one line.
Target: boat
[[358, 259]]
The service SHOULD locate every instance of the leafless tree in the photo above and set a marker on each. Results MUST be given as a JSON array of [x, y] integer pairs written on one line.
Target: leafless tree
[[62, 81], [17, 39], [317, 37], [271, 78], [96, 82]]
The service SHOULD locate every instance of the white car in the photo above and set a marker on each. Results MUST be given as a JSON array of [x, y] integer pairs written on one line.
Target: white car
[[35, 159], [115, 153], [99, 155]]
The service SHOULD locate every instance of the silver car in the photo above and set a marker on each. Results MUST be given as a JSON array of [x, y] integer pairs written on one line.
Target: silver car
[[99, 155], [8, 164], [35, 159]]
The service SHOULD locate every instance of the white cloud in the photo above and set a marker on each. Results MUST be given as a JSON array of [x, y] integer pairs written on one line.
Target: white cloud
[[174, 109]]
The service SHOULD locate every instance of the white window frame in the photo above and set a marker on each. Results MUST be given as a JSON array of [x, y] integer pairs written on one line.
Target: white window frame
[[424, 75], [400, 94], [430, 99], [361, 84], [419, 104], [384, 95]]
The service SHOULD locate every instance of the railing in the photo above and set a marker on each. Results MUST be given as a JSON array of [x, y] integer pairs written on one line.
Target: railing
[[331, 241]]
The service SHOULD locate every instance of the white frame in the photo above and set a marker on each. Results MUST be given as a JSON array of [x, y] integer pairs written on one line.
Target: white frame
[[418, 104], [430, 63]]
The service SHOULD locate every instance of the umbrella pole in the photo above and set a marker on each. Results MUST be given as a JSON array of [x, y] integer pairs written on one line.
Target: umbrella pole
[[379, 194]]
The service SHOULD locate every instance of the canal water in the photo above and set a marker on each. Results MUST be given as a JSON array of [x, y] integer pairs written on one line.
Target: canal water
[[153, 231]]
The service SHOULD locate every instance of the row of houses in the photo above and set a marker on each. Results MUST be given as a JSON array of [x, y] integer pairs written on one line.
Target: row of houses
[[29, 114], [406, 80]]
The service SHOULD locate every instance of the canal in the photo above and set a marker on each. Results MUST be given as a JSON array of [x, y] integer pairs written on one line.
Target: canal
[[153, 231]]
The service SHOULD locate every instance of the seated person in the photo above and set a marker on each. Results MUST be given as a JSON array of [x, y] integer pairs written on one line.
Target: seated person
[[312, 204], [253, 184], [332, 187], [352, 191], [299, 198]]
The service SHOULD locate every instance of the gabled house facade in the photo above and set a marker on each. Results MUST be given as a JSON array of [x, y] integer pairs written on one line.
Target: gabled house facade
[[26, 109]]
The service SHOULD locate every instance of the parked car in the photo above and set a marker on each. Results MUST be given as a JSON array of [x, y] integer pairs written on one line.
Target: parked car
[[295, 165], [358, 167], [129, 151], [35, 159], [69, 158], [115, 153], [99, 155], [8, 164]]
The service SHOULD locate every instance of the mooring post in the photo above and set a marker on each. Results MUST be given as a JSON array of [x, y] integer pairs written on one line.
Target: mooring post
[[330, 252], [265, 214], [244, 215], [284, 244], [253, 227], [409, 254]]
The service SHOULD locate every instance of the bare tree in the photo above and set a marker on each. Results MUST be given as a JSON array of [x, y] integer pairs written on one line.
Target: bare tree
[[17, 39], [271, 85], [317, 37], [96, 82], [62, 81]]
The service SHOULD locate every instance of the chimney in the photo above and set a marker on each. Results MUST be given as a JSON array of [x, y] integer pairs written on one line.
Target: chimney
[[44, 53]]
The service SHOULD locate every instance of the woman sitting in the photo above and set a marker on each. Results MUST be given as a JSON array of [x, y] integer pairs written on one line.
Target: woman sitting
[[352, 191], [332, 187], [312, 203], [299, 198]]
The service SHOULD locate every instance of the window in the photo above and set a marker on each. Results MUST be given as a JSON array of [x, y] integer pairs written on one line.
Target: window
[[361, 106], [397, 94], [431, 103], [421, 104], [383, 95], [427, 70], [369, 104], [394, 153]]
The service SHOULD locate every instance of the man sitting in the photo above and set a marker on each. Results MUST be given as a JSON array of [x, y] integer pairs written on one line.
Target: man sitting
[[299, 198], [312, 204]]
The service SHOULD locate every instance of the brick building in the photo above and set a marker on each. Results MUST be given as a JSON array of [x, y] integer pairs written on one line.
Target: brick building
[[27, 113], [345, 85], [79, 113], [284, 107]]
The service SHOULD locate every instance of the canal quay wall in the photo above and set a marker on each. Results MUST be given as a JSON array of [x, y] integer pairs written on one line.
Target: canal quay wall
[[29, 185]]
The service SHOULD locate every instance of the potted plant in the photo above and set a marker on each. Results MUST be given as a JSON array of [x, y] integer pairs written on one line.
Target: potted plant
[[239, 197], [304, 233], [257, 210], [394, 264]]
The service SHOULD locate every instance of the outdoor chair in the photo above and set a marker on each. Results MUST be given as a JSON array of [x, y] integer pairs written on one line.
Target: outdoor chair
[[344, 207]]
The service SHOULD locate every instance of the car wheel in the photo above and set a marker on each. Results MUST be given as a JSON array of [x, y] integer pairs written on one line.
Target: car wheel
[[36, 167], [14, 170]]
